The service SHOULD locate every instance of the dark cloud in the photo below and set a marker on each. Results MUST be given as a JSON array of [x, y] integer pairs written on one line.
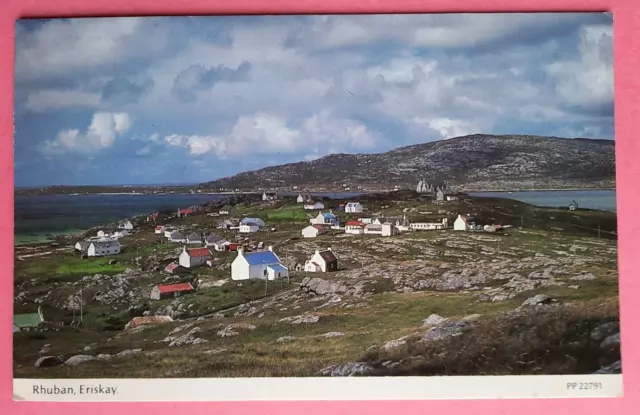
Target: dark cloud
[[196, 78], [124, 91]]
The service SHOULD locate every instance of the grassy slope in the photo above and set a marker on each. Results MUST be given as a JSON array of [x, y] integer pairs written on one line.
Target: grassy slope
[[385, 316]]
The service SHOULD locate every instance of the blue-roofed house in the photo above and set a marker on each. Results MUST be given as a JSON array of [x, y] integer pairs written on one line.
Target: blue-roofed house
[[258, 265], [324, 219], [257, 221]]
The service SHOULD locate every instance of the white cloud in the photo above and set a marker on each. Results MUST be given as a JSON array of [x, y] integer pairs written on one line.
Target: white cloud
[[102, 133], [63, 45], [265, 134], [448, 128], [45, 100], [589, 80]]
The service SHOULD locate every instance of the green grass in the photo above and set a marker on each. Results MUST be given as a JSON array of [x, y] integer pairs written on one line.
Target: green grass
[[291, 214], [88, 267]]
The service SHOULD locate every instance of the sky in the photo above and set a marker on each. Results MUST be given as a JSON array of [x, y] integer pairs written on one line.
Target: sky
[[191, 99]]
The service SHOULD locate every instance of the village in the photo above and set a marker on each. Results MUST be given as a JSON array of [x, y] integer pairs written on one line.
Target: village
[[286, 270]]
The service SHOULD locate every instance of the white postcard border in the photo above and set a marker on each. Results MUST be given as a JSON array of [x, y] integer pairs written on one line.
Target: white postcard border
[[318, 389]]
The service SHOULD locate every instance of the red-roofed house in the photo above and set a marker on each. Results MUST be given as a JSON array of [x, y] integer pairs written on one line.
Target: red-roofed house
[[170, 290], [152, 217], [160, 229], [194, 257], [354, 227], [313, 230], [184, 212], [171, 268]]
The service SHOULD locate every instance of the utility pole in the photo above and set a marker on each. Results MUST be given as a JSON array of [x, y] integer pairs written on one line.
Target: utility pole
[[81, 301]]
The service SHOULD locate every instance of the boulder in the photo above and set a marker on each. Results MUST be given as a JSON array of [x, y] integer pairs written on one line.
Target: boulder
[[104, 356], [128, 352], [286, 339], [612, 369], [433, 320], [305, 319], [78, 359], [611, 342], [393, 344], [539, 300], [446, 331], [48, 361], [605, 330], [191, 337], [347, 369], [584, 276], [333, 334], [227, 332]]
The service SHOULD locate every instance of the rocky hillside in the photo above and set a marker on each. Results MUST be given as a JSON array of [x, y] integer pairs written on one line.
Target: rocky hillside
[[475, 162]]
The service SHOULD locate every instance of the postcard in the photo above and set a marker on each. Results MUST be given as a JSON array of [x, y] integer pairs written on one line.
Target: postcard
[[341, 207]]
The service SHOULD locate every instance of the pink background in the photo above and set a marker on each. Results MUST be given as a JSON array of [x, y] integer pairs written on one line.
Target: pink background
[[627, 116]]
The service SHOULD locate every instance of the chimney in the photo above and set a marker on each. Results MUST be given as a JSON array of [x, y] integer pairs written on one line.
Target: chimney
[[240, 251], [270, 248]]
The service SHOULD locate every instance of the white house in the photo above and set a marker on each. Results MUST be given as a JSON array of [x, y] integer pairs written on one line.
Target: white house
[[461, 223], [256, 221], [313, 231], [300, 199], [126, 225], [119, 233], [373, 229], [258, 265], [366, 221], [270, 196], [315, 206], [353, 207], [196, 257], [168, 231], [389, 229], [159, 229], [354, 227], [427, 226], [324, 219], [248, 227], [451, 198], [176, 236], [194, 238], [322, 261], [82, 246], [102, 248]]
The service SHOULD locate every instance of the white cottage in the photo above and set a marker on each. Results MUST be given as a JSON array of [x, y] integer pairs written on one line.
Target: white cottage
[[389, 229], [300, 199], [313, 231], [249, 227], [461, 223], [353, 207], [196, 257], [322, 261], [354, 227], [373, 229], [257, 265], [176, 236], [315, 206], [428, 226], [103, 248], [126, 225]]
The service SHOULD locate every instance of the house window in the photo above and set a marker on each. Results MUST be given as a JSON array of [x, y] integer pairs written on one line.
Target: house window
[[265, 272]]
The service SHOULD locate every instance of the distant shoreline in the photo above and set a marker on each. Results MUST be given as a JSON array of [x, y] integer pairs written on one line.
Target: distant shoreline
[[249, 192]]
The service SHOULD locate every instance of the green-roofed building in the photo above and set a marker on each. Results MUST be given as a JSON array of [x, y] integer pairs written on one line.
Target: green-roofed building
[[27, 321]]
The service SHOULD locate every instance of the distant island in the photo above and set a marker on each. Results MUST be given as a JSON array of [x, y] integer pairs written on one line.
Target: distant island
[[469, 163]]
